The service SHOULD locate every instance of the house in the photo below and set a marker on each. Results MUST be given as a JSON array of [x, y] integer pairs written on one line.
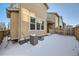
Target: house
[[64, 24], [27, 19], [54, 21], [61, 22], [2, 26], [8, 27], [69, 26]]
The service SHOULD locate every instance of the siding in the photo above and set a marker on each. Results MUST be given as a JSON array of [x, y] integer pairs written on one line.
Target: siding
[[38, 8], [20, 21], [14, 25], [25, 31]]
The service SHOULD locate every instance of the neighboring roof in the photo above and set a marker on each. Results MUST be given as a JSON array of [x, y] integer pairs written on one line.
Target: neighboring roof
[[54, 13], [46, 5]]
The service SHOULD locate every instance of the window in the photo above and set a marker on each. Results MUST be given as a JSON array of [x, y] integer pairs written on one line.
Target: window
[[38, 26], [32, 20], [42, 25], [32, 23]]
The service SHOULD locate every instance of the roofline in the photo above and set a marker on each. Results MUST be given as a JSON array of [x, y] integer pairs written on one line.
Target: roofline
[[54, 13], [12, 9], [9, 10], [45, 5]]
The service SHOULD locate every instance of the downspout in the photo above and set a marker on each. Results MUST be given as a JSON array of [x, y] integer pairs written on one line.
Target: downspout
[[20, 22], [58, 22]]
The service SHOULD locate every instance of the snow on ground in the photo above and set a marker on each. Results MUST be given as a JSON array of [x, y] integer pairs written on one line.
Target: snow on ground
[[53, 45]]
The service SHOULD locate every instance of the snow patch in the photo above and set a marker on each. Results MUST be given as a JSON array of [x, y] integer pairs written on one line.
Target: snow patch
[[52, 45]]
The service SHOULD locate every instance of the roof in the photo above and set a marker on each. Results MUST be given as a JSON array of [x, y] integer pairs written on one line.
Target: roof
[[54, 13], [13, 9]]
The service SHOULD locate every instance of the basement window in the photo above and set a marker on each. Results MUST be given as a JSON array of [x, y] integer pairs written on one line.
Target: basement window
[[32, 23]]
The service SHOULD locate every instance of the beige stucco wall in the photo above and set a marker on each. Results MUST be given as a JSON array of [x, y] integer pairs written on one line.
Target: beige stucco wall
[[56, 21], [25, 28], [38, 8], [19, 23], [53, 18], [14, 25]]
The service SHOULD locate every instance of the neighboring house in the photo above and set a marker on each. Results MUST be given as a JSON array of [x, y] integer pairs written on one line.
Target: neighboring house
[[77, 25], [61, 22], [8, 27], [2, 26], [69, 26], [27, 19], [51, 22], [54, 21], [64, 24]]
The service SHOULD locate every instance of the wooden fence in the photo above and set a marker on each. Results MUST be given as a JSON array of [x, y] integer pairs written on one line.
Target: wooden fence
[[64, 31], [76, 32], [3, 34], [73, 31]]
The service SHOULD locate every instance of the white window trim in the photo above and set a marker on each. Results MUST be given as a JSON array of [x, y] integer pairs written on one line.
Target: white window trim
[[41, 27], [35, 25], [30, 22]]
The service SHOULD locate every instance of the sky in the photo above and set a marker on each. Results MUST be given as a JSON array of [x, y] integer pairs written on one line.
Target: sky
[[3, 16], [69, 12]]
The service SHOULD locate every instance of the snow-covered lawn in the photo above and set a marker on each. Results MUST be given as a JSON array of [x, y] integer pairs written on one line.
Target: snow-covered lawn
[[53, 45]]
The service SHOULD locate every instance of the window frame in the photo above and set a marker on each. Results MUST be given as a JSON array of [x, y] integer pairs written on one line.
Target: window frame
[[35, 25], [32, 23], [42, 25]]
